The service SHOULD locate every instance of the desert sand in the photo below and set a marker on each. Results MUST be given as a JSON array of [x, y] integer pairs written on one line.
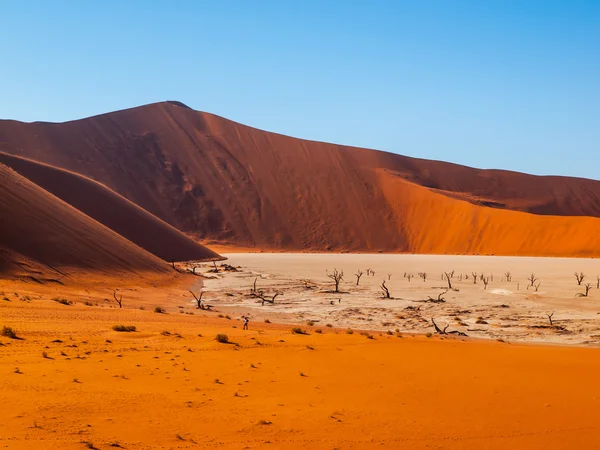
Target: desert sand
[[225, 183], [69, 380]]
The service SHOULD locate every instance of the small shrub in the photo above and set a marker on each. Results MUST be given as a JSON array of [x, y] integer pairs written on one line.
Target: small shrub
[[45, 355], [267, 321], [265, 422], [329, 325], [159, 310], [63, 301], [222, 338], [298, 330], [9, 333], [124, 328], [349, 331], [389, 332], [318, 331], [310, 323], [429, 335]]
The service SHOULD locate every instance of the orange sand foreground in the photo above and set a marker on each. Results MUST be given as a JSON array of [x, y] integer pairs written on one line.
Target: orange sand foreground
[[171, 385]]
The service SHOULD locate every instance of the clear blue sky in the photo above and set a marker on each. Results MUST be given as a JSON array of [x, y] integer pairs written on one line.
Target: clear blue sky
[[487, 83]]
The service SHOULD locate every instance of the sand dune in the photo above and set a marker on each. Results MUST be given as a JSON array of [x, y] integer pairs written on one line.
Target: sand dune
[[38, 228], [226, 183], [112, 210], [435, 223]]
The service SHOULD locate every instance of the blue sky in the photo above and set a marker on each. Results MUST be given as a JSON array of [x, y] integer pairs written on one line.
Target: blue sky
[[487, 83]]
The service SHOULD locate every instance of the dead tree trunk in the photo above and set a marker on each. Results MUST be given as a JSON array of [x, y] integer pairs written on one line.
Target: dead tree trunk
[[118, 300], [532, 279], [336, 276], [448, 278], [198, 299], [550, 319], [474, 277], [486, 280], [385, 291], [358, 275], [579, 277]]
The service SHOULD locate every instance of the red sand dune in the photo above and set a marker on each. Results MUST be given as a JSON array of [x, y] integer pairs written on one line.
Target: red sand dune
[[223, 182], [38, 228], [112, 210]]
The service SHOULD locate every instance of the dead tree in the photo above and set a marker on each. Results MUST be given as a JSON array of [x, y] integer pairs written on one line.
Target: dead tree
[[448, 278], [451, 274], [173, 263], [409, 276], [269, 300], [474, 277], [198, 299], [587, 287], [118, 300], [597, 282], [253, 290], [358, 275], [385, 291], [550, 319], [537, 286], [438, 329], [485, 280], [440, 298], [389, 276], [579, 277], [508, 276], [444, 331], [532, 279], [423, 275], [336, 276]]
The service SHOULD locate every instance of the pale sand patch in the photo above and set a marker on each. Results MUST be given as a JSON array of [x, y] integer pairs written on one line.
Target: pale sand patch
[[512, 309]]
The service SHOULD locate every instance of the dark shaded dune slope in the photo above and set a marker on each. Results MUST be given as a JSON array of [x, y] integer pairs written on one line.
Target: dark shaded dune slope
[[37, 227], [112, 210]]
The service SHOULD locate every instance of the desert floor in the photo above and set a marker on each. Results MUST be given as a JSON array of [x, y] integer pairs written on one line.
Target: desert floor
[[71, 381], [509, 310]]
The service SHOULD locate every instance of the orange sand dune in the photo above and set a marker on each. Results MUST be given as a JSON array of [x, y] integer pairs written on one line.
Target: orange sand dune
[[227, 183], [36, 227], [112, 210], [435, 223]]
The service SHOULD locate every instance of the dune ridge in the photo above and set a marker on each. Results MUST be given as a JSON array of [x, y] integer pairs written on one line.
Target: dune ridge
[[225, 183], [37, 228], [112, 210]]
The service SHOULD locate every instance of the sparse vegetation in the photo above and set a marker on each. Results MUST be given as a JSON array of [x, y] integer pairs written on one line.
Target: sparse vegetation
[[9, 333], [159, 310], [298, 330], [124, 328], [222, 338], [63, 301]]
